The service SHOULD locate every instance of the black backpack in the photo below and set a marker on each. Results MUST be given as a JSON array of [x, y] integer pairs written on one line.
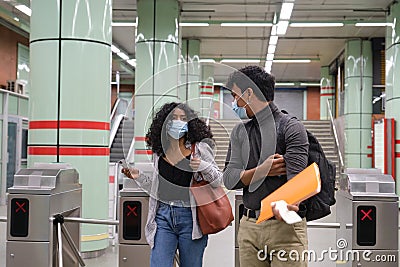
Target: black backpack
[[318, 206]]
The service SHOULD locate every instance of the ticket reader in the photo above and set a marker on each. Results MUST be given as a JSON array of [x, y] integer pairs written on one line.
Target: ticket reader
[[368, 216], [133, 209], [38, 194]]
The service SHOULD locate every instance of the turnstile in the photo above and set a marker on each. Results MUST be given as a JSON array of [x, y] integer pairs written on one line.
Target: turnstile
[[238, 215], [133, 209], [38, 194], [367, 210]]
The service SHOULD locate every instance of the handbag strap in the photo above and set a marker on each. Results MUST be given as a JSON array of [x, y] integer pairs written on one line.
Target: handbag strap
[[193, 149]]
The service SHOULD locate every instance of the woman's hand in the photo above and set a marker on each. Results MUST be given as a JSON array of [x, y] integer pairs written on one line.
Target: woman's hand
[[195, 163], [130, 172]]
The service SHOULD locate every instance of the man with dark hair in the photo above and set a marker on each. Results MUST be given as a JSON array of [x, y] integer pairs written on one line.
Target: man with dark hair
[[255, 164]]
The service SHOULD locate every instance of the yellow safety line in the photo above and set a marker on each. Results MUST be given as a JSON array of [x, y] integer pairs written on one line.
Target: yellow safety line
[[94, 237]]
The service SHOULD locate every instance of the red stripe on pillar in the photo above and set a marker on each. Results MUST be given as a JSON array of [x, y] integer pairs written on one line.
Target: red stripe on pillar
[[143, 152], [369, 147], [140, 138], [397, 142], [206, 93], [68, 151], [331, 94], [207, 86], [327, 87], [69, 124], [369, 155], [111, 179]]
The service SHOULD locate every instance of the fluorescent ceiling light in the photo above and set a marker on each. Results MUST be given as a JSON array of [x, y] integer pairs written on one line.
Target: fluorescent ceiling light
[[292, 60], [246, 24], [373, 24], [24, 9], [16, 19], [123, 24], [219, 84], [316, 24], [282, 27], [284, 84], [270, 57], [194, 24], [207, 60], [286, 11], [114, 49], [123, 55], [268, 66], [271, 49], [273, 40], [240, 61], [132, 62], [309, 84]]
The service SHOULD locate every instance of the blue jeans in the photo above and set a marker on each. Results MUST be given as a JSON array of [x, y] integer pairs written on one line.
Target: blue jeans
[[174, 231]]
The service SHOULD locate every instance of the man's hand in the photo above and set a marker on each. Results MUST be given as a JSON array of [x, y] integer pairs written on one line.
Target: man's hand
[[276, 213], [130, 172], [278, 166]]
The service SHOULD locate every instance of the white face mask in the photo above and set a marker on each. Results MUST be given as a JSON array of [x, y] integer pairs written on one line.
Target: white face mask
[[177, 129]]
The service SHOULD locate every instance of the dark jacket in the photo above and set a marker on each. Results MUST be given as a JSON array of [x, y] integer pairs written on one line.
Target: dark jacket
[[252, 142]]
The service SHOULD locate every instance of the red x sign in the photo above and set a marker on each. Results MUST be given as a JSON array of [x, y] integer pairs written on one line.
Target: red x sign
[[366, 214], [20, 207], [131, 211]]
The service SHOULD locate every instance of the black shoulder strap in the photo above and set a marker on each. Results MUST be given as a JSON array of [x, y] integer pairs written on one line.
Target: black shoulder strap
[[280, 131]]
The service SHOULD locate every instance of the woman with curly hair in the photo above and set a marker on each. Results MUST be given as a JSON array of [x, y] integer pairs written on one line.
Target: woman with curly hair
[[172, 220]]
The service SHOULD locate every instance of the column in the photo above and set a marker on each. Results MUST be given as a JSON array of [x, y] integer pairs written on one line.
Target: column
[[192, 72], [358, 103], [327, 93], [70, 99], [392, 104], [207, 91], [157, 50]]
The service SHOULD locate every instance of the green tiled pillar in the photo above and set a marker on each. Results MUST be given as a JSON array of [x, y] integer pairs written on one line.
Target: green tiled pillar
[[191, 53], [157, 50], [327, 93], [207, 91], [392, 108], [358, 103], [70, 99]]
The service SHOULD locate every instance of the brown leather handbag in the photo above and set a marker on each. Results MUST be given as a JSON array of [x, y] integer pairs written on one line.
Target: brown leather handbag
[[214, 211]]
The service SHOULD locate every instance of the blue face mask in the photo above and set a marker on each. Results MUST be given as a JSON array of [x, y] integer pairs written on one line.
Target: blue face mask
[[240, 111], [177, 129]]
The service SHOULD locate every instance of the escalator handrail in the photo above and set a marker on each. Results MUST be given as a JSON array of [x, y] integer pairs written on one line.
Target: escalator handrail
[[114, 128]]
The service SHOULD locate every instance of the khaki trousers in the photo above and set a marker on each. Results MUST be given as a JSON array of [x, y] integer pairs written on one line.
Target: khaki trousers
[[272, 243]]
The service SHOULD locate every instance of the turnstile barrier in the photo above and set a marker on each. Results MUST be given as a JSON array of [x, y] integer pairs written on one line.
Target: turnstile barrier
[[367, 210], [37, 195]]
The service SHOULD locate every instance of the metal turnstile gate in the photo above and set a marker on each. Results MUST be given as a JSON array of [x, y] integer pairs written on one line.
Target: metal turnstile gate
[[367, 210], [38, 194]]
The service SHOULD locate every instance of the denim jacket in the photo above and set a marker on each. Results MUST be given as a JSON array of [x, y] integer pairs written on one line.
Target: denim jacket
[[209, 171]]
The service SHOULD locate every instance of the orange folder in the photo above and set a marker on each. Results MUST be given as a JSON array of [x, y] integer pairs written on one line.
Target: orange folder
[[304, 185]]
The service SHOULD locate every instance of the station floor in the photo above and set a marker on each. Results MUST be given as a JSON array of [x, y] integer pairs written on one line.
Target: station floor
[[319, 239]]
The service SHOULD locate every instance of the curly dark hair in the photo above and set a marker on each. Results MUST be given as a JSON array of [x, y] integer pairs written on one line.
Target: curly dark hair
[[255, 77], [198, 130]]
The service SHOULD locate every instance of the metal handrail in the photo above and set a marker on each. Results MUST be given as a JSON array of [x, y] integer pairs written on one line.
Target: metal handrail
[[114, 108], [323, 225], [90, 221], [115, 127], [335, 134]]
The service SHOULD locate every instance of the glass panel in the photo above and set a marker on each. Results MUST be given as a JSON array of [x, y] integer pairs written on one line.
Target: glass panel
[[24, 147], [11, 151]]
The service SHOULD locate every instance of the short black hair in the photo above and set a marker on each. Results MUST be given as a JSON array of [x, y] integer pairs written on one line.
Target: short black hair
[[255, 77], [198, 130]]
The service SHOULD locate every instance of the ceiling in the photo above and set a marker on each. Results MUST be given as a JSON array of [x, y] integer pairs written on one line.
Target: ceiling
[[322, 45]]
